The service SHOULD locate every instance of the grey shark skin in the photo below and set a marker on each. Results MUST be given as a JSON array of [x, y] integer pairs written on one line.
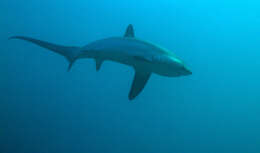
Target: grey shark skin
[[146, 58]]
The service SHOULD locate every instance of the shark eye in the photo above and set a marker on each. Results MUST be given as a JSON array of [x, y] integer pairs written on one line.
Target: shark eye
[[165, 59], [162, 59]]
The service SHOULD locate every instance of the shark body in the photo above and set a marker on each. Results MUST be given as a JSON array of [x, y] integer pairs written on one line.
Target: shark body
[[146, 58]]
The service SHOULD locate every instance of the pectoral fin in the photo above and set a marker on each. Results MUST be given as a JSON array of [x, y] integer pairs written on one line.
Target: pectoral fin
[[140, 80]]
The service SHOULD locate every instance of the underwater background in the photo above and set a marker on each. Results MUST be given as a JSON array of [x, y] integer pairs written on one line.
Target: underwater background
[[45, 109]]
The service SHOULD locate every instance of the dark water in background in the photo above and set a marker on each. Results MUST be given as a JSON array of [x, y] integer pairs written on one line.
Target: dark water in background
[[45, 109]]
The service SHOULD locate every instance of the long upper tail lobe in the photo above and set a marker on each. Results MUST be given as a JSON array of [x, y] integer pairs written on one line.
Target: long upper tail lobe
[[69, 52]]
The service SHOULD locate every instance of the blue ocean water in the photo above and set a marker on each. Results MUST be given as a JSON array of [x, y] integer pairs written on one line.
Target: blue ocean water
[[45, 109]]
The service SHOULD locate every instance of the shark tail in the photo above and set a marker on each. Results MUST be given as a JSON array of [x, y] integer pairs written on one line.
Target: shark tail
[[69, 52]]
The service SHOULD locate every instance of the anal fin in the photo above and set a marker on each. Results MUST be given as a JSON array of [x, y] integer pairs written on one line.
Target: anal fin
[[98, 64]]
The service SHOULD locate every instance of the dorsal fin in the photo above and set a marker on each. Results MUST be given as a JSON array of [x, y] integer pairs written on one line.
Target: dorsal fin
[[130, 31]]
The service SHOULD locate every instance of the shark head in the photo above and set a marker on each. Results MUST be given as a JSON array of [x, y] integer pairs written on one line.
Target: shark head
[[177, 66], [172, 66]]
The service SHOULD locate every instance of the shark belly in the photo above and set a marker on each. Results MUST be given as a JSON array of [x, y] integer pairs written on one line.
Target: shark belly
[[126, 51], [129, 59]]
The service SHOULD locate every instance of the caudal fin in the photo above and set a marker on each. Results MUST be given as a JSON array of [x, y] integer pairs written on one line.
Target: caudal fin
[[70, 53]]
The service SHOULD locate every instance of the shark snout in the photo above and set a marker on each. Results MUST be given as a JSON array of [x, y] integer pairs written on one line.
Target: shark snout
[[187, 71]]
